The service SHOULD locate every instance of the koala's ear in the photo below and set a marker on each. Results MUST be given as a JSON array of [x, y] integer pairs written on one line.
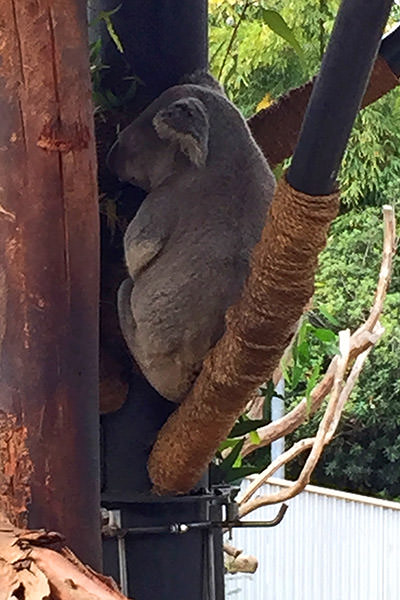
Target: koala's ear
[[185, 122]]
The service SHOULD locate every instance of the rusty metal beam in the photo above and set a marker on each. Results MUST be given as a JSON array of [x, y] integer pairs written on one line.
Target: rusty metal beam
[[48, 274]]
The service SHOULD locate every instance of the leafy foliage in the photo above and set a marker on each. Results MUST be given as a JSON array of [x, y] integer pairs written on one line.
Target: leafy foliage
[[363, 457], [105, 99], [371, 168]]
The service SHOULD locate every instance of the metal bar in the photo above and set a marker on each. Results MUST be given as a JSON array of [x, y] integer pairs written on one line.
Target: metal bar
[[272, 523], [114, 529], [337, 95], [114, 524]]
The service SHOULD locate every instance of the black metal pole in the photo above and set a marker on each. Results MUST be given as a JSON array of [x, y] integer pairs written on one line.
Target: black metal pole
[[337, 95], [163, 40]]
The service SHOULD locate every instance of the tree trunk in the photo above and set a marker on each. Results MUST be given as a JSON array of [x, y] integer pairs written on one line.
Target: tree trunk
[[48, 274]]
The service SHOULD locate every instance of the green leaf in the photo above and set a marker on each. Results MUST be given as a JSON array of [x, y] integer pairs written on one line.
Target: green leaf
[[297, 375], [302, 332], [105, 15], [230, 460], [217, 51], [243, 427], [232, 69], [311, 384], [238, 462], [95, 48], [236, 475], [303, 351], [254, 437], [325, 335], [278, 25], [228, 443], [328, 316], [113, 34], [112, 98]]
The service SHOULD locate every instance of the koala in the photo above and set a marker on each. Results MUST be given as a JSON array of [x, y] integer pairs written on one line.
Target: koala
[[188, 248]]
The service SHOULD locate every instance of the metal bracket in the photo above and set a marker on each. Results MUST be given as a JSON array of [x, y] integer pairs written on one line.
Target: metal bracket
[[111, 527], [111, 524], [281, 513]]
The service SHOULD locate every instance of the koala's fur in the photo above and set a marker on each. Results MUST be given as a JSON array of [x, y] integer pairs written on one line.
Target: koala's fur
[[187, 249]]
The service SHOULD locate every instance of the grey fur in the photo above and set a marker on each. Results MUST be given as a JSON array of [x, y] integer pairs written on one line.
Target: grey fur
[[187, 249]]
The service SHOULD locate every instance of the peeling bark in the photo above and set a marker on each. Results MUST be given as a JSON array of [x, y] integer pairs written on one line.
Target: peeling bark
[[36, 565], [16, 469]]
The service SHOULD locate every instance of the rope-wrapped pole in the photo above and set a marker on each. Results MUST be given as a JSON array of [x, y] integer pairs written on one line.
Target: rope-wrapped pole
[[284, 262], [258, 329]]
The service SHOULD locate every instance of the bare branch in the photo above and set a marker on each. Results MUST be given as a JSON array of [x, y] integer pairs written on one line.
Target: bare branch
[[389, 250], [243, 563], [326, 430], [231, 550], [283, 459]]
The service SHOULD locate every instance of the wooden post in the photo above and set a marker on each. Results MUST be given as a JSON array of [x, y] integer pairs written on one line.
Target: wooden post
[[48, 274]]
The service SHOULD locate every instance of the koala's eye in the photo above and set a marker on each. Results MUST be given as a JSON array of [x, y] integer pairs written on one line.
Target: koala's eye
[[187, 109]]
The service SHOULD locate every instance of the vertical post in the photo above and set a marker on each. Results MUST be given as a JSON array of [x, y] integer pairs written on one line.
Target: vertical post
[[163, 40], [49, 463]]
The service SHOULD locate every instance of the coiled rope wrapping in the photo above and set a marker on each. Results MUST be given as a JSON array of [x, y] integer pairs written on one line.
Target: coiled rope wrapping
[[258, 329]]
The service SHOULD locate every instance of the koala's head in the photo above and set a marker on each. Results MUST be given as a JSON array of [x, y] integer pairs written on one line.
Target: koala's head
[[169, 135]]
